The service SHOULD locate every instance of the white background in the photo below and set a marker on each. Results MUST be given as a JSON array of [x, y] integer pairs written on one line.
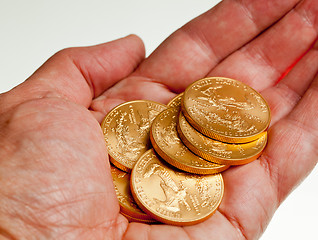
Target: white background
[[33, 30]]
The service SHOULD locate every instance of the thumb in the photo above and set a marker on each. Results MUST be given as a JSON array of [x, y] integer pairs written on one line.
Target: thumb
[[79, 74]]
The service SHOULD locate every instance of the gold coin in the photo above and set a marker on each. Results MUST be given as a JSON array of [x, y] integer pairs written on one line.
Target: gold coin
[[172, 196], [219, 152], [127, 204], [226, 110], [166, 142], [176, 101], [126, 131]]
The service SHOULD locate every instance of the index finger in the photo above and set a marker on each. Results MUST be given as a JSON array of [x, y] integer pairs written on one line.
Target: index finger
[[192, 51]]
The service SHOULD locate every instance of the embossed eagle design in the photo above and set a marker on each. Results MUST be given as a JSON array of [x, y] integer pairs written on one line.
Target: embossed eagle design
[[175, 195]]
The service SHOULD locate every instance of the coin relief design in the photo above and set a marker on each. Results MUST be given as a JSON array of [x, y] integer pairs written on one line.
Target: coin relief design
[[165, 140], [219, 152], [172, 196], [176, 101], [126, 131], [226, 110]]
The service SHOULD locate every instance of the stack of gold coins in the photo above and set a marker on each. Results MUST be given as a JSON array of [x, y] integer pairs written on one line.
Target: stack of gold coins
[[126, 129], [224, 121], [217, 122]]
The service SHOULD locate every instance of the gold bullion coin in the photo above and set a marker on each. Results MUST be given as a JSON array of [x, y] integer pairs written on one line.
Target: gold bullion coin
[[166, 142], [226, 110], [172, 196], [128, 206], [176, 101], [126, 131], [219, 152]]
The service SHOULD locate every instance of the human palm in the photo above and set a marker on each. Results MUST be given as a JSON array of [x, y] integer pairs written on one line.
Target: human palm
[[54, 168]]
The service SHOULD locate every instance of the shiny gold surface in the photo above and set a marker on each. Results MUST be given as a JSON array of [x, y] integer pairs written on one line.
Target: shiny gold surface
[[166, 142], [219, 152], [126, 131], [173, 196], [176, 101], [127, 204], [226, 110]]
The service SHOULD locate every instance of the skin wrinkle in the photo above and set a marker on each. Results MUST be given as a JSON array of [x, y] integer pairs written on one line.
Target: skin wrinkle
[[288, 94], [305, 16], [248, 12], [17, 120], [260, 56], [308, 129], [100, 229], [235, 224], [273, 174], [161, 86], [281, 175], [5, 235], [64, 57], [60, 205], [187, 234], [86, 77], [122, 227], [107, 225], [264, 56], [200, 40], [145, 236], [263, 225], [246, 198], [287, 98], [209, 49], [253, 229], [265, 4], [128, 92]]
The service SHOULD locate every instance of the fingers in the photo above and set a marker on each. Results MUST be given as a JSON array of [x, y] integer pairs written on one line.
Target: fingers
[[263, 61], [292, 150], [80, 74], [192, 51], [129, 89], [283, 97]]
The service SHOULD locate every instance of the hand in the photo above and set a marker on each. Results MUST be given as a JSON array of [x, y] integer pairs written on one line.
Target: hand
[[54, 168]]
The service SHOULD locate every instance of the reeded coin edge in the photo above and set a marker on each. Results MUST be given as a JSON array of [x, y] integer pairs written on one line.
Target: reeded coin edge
[[183, 167], [217, 136], [126, 211], [164, 220], [215, 159], [127, 208], [119, 165], [172, 103], [175, 162]]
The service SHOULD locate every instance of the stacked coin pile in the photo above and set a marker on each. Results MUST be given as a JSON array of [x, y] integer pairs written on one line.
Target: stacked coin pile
[[215, 123]]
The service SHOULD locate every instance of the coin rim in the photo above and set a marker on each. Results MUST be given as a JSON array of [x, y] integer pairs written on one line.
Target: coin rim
[[113, 160], [216, 159], [140, 220], [126, 210], [218, 136], [163, 220], [175, 162], [172, 101]]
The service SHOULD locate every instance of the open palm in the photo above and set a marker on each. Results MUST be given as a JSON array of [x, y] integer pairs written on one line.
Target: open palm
[[54, 168]]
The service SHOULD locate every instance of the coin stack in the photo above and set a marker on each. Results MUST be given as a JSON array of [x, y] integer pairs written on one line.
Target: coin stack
[[171, 157]]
